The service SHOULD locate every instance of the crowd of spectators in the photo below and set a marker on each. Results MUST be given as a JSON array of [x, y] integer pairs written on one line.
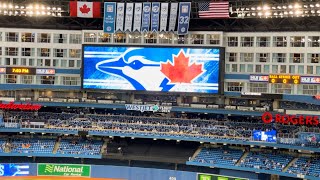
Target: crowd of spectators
[[78, 146]]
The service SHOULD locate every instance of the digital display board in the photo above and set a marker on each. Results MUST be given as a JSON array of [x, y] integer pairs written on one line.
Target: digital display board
[[14, 170], [266, 136], [165, 69], [20, 70], [309, 80], [285, 79], [202, 176]]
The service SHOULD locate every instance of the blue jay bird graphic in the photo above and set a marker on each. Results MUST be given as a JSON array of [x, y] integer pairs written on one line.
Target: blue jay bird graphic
[[137, 67]]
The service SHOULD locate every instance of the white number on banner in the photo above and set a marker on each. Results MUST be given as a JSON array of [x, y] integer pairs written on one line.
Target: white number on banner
[[184, 20]]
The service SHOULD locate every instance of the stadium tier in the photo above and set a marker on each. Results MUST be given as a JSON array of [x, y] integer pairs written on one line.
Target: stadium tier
[[160, 90]]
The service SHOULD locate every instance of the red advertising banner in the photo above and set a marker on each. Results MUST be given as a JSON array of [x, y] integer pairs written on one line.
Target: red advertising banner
[[23, 107], [268, 117]]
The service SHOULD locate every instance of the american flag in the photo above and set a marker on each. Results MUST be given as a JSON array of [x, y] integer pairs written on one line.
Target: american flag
[[214, 9]]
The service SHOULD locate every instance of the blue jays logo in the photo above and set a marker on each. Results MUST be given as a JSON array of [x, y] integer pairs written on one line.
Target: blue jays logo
[[152, 69], [146, 9], [155, 9]]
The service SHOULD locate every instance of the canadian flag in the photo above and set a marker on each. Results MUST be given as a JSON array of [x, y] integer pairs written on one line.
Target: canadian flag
[[85, 9]]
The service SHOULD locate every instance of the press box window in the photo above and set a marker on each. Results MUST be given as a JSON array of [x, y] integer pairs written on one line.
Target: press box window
[[11, 79], [232, 57], [280, 41], [60, 38], [59, 53], [247, 41], [258, 87], [233, 41], [44, 37], [165, 38], [296, 58], [90, 37], [150, 38], [26, 79], [27, 51], [119, 38], [313, 58], [213, 39], [70, 81], [27, 37], [46, 79], [308, 89], [282, 88], [12, 37], [74, 53], [263, 41], [297, 41], [44, 52], [196, 38], [263, 57], [135, 38], [104, 37], [234, 86], [12, 51], [246, 57], [314, 41], [279, 57], [75, 39], [180, 39]]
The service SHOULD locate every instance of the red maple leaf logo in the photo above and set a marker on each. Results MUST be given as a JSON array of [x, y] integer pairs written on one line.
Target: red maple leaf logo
[[181, 71], [84, 9]]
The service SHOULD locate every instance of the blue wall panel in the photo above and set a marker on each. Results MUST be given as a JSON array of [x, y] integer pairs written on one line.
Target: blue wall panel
[[134, 173]]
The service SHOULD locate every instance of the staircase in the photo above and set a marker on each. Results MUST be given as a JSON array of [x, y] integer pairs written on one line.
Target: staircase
[[196, 153], [290, 164], [56, 145], [244, 155], [104, 147]]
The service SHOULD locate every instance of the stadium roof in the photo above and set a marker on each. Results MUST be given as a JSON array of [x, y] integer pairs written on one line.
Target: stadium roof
[[234, 24]]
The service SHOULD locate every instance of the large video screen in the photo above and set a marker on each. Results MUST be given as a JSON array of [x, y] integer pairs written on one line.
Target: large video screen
[[166, 69], [266, 136]]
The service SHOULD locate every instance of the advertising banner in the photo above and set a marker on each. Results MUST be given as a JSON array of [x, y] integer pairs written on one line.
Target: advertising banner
[[166, 69], [109, 17], [64, 170], [266, 136], [14, 170], [202, 176], [309, 138], [144, 108]]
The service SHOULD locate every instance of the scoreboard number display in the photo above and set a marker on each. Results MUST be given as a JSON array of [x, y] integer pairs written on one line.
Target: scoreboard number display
[[284, 79]]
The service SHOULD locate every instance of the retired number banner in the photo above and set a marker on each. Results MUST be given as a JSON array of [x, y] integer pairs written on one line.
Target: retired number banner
[[164, 16], [109, 17], [129, 17], [146, 17], [155, 16], [137, 17], [173, 16], [120, 16], [184, 17]]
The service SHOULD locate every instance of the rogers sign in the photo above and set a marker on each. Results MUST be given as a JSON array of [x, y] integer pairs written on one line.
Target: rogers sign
[[267, 118]]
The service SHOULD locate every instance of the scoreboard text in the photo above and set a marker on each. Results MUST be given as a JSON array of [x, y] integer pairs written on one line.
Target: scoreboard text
[[284, 79]]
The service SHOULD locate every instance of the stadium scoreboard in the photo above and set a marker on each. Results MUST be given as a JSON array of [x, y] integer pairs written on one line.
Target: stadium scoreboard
[[202, 176], [26, 71], [284, 79]]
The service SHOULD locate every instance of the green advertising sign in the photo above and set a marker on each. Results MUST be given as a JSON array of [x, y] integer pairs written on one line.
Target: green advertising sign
[[217, 177], [63, 170]]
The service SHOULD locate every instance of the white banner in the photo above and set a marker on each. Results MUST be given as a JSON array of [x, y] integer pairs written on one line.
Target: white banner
[[120, 16], [164, 16], [129, 17], [173, 16], [137, 17]]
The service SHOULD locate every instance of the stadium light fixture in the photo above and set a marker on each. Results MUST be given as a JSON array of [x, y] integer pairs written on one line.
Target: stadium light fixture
[[29, 10], [297, 9]]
